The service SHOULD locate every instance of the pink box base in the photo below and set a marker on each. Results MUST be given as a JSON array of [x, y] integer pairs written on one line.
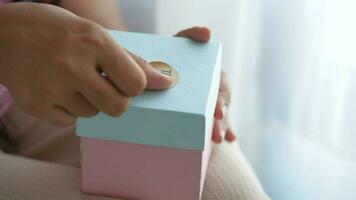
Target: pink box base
[[143, 172]]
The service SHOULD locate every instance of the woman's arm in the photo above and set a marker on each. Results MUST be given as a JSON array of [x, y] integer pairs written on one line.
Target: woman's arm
[[49, 62], [104, 12]]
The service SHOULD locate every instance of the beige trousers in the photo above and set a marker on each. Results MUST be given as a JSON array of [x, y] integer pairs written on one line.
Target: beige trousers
[[47, 166]]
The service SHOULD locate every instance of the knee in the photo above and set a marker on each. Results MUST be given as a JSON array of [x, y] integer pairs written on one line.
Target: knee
[[230, 177]]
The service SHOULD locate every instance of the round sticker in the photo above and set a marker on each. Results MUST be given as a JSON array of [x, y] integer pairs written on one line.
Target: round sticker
[[167, 70]]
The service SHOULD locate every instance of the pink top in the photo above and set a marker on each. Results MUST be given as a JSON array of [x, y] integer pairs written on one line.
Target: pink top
[[5, 102], [4, 1]]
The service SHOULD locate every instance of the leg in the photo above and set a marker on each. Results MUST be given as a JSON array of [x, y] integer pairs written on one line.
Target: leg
[[23, 178], [230, 177]]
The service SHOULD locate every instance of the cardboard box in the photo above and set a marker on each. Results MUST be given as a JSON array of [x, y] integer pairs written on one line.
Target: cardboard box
[[159, 149]]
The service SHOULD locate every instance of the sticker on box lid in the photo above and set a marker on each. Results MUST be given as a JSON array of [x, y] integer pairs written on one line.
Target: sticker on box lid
[[167, 70]]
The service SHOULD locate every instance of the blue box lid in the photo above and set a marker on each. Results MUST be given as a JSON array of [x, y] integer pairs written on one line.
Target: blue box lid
[[180, 117]]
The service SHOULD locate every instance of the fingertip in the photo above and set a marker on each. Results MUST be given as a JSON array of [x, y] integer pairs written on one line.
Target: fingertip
[[201, 34], [230, 136], [217, 138], [198, 33], [154, 79], [157, 80], [218, 113], [160, 82], [204, 34]]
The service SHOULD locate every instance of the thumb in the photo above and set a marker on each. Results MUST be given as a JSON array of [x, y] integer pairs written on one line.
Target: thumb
[[155, 79]]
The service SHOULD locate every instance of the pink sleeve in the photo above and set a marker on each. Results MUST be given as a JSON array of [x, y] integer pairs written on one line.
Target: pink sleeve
[[5, 101], [4, 1]]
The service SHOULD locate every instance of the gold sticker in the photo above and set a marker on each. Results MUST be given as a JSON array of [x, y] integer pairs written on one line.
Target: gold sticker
[[167, 70]]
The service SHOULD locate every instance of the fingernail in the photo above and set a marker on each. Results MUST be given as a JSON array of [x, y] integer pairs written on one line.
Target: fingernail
[[216, 137], [230, 137], [218, 114], [166, 70]]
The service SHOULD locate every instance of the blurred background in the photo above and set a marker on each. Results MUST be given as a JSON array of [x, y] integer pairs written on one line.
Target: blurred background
[[292, 68]]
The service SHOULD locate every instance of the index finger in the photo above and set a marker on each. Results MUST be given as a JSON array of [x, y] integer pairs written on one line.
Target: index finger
[[121, 69]]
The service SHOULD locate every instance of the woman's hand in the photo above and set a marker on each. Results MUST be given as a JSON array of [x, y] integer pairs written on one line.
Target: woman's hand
[[221, 125], [59, 66]]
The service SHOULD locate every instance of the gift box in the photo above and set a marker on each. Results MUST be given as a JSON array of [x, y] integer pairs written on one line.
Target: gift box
[[160, 147]]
